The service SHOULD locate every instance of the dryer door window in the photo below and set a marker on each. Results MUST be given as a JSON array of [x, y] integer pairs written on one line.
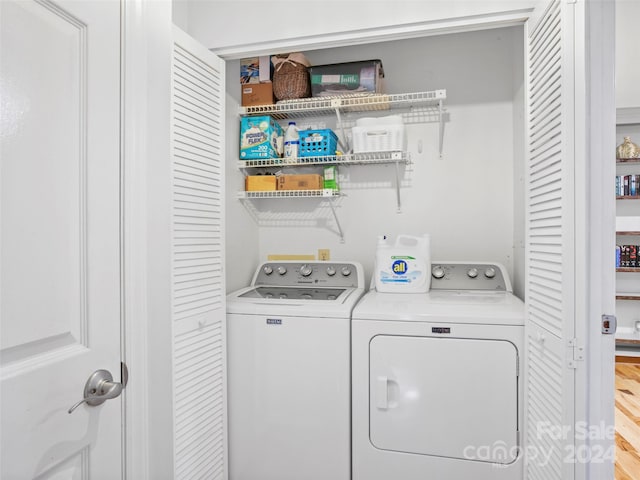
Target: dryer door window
[[447, 397]]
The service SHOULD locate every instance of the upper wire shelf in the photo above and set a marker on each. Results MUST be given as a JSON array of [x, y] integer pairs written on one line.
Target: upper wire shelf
[[347, 159], [352, 103]]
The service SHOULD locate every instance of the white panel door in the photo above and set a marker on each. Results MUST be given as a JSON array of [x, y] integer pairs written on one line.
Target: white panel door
[[443, 396], [60, 237]]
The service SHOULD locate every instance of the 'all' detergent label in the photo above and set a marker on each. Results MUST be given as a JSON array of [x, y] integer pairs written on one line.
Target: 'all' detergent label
[[404, 269]]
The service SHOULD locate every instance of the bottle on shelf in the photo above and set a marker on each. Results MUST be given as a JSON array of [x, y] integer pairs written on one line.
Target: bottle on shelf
[[291, 142]]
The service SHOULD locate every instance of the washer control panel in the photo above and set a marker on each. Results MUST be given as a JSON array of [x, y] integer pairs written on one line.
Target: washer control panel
[[468, 276], [317, 274]]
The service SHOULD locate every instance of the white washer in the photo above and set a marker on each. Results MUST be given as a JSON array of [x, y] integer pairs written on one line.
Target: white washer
[[289, 371], [436, 379]]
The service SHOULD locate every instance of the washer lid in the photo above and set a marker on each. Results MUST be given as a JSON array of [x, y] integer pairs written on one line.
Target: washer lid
[[294, 301], [324, 294]]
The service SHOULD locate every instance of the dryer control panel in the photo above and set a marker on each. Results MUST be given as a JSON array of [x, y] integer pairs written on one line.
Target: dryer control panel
[[469, 276]]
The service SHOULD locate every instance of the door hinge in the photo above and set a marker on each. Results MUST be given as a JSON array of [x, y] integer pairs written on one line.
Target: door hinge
[[576, 354]]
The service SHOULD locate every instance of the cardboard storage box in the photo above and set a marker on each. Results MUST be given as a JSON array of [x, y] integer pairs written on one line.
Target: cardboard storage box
[[261, 137], [260, 183], [255, 69], [300, 182], [347, 78], [257, 94]]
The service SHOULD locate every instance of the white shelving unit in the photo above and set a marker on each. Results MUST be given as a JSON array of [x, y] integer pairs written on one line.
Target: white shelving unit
[[423, 103], [627, 337]]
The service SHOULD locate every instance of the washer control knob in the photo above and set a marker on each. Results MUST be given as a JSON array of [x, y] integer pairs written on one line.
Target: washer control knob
[[472, 273], [305, 270], [490, 272], [284, 295], [282, 270], [437, 272], [331, 271], [346, 271], [267, 270]]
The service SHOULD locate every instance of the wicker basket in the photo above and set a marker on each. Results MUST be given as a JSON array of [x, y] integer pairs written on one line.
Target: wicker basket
[[291, 81]]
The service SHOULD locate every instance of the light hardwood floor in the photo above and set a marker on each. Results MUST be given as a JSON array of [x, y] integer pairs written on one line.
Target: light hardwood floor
[[627, 420]]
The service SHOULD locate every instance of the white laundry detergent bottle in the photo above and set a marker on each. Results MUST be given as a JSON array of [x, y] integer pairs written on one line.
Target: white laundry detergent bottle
[[403, 267], [291, 142]]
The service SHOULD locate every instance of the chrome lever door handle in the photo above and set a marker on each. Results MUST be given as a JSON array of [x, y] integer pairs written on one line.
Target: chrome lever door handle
[[99, 388]]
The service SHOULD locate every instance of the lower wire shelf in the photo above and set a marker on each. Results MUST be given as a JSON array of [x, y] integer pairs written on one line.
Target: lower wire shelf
[[327, 193]]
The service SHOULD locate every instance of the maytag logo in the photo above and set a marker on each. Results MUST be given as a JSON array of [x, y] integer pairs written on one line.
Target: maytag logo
[[440, 330], [274, 321]]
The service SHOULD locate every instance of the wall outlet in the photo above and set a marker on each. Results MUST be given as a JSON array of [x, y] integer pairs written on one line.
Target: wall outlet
[[323, 255]]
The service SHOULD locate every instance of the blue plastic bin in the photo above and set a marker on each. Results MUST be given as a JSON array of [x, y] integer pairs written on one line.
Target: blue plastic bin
[[317, 143]]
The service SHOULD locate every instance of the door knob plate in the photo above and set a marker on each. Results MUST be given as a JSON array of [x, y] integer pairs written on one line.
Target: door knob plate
[[99, 388], [93, 387]]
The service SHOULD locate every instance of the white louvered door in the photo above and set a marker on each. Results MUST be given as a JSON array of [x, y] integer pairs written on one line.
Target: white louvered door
[[550, 274], [198, 292]]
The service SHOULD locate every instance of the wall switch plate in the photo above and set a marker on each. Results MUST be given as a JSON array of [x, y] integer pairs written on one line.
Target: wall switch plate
[[323, 255], [609, 324]]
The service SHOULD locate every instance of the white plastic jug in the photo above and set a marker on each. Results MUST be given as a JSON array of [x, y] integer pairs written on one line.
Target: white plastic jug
[[291, 141], [403, 267]]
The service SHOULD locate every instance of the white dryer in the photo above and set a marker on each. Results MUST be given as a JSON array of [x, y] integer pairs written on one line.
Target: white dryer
[[289, 371], [436, 379]]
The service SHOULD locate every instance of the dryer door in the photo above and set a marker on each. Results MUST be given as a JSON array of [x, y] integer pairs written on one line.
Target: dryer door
[[448, 397]]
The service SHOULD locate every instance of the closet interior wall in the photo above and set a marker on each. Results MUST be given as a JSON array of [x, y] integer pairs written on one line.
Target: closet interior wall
[[470, 200]]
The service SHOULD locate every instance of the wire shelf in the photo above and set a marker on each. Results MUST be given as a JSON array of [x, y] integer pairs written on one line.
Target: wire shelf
[[353, 103], [327, 193], [347, 159]]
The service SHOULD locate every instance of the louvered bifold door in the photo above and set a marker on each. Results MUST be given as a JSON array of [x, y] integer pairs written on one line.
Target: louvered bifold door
[[198, 299], [550, 325]]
